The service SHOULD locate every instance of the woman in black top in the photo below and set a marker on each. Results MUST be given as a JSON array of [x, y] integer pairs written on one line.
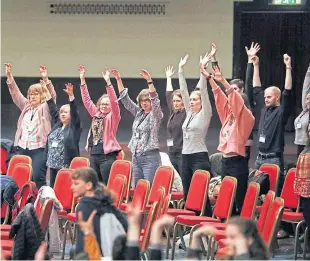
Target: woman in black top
[[175, 122], [63, 141]]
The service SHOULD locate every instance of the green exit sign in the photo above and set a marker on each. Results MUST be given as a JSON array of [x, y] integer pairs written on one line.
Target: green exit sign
[[288, 2]]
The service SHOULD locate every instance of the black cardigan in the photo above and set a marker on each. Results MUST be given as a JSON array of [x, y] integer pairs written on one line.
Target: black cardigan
[[72, 131]]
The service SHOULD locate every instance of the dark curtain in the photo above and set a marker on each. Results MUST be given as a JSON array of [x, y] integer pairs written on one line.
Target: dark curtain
[[278, 33]]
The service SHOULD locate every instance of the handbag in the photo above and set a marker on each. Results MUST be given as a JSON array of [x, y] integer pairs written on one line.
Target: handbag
[[262, 178]]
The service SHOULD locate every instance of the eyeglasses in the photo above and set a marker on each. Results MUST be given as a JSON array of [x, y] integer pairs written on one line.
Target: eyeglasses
[[105, 104], [145, 100]]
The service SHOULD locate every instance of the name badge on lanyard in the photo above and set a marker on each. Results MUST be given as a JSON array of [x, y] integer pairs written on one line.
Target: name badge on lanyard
[[54, 144], [262, 138], [298, 125], [169, 142]]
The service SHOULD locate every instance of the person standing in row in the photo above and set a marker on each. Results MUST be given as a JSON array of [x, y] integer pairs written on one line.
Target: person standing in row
[[105, 120], [176, 119], [34, 123], [195, 127], [144, 143], [63, 141]]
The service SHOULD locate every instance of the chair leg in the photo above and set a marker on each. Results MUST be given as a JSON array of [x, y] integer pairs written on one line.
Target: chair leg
[[296, 243], [174, 240], [182, 237], [305, 244], [65, 240], [168, 243]]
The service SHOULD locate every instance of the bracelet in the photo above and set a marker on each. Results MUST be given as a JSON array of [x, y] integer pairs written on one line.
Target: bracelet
[[149, 83], [289, 68], [209, 77]]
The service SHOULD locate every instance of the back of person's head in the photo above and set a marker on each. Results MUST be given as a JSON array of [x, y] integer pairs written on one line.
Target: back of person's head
[[237, 84], [119, 248], [257, 248]]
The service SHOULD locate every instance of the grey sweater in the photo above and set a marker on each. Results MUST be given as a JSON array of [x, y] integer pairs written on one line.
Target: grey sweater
[[302, 121], [196, 124]]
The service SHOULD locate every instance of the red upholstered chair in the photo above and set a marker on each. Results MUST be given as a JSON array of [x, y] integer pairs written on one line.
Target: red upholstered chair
[[265, 210], [122, 167], [118, 189], [273, 171], [165, 205], [196, 198], [221, 211], [140, 196], [3, 156], [159, 198], [18, 159], [79, 162], [163, 178]]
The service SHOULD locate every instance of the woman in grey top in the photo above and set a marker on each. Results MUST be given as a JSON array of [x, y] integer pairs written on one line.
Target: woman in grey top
[[144, 143], [302, 121], [195, 127]]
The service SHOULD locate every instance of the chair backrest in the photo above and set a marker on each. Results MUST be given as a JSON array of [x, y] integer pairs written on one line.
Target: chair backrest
[[21, 173], [250, 201], [122, 167], [18, 159], [265, 210], [163, 177], [225, 199], [160, 195], [62, 188], [273, 171], [120, 155], [46, 211], [37, 207], [165, 206], [198, 191], [273, 221], [3, 156], [118, 188], [79, 162], [291, 200], [141, 194], [148, 226]]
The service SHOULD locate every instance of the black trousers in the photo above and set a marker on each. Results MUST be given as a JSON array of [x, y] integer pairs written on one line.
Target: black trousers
[[305, 202], [102, 164], [300, 148], [237, 167], [53, 174], [176, 160], [191, 163]]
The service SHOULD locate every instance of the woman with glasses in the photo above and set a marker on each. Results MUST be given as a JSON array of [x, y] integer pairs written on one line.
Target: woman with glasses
[[105, 120]]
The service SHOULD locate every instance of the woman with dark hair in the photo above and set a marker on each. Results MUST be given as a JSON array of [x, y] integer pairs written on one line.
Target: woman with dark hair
[[105, 120], [301, 122], [144, 143], [243, 240], [176, 119]]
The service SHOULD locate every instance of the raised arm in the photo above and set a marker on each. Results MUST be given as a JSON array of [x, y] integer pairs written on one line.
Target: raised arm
[[169, 88], [305, 89], [112, 97], [75, 118], [213, 56], [48, 83], [256, 77], [51, 104], [183, 84], [124, 97], [288, 74], [287, 97], [88, 103], [18, 98]]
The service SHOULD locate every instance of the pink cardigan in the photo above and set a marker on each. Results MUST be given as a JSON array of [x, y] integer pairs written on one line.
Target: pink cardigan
[[111, 121], [236, 135], [24, 105]]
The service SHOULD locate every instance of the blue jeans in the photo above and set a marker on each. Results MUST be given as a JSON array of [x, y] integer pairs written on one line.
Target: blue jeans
[[144, 165], [38, 165]]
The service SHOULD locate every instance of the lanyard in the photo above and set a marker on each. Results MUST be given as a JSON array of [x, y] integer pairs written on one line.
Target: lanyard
[[190, 119], [33, 113], [142, 119], [302, 114]]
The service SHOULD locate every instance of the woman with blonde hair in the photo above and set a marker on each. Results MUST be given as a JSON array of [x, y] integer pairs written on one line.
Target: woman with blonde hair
[[144, 143], [63, 141], [34, 123], [105, 120]]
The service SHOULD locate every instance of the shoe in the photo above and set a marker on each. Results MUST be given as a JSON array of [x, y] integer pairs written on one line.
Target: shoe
[[282, 234]]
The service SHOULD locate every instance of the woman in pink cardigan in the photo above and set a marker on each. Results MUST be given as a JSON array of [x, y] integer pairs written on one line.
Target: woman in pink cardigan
[[34, 123], [105, 120]]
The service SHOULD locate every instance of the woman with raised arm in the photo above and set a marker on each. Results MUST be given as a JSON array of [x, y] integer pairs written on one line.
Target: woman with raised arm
[[144, 143], [34, 123], [301, 122], [63, 141], [175, 122], [237, 123], [105, 120], [195, 127]]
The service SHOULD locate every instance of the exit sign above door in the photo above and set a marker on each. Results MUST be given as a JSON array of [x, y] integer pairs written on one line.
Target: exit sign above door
[[287, 2]]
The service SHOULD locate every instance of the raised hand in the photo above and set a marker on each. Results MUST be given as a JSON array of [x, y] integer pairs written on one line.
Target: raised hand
[[205, 231], [253, 49], [134, 215], [69, 89], [213, 50], [82, 71], [145, 75], [255, 60], [169, 71], [8, 68], [183, 61], [217, 76], [116, 74], [106, 75], [43, 72], [287, 60], [45, 90], [204, 71], [87, 227], [164, 222], [206, 59]]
